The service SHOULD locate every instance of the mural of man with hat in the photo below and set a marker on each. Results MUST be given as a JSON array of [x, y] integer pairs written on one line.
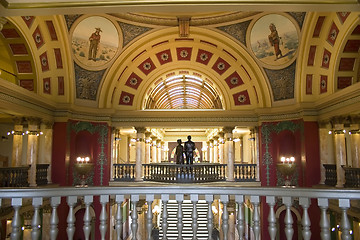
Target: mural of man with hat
[[94, 43]]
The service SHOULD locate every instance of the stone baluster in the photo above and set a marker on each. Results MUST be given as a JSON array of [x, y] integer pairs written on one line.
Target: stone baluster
[[255, 200], [35, 223], [270, 200], [194, 199], [240, 216], [118, 217], [225, 216], [209, 199], [134, 216], [71, 201], [54, 219], [323, 204], [104, 199], [149, 216], [165, 199], [16, 203], [180, 224], [305, 203], [87, 217], [289, 231], [344, 205]]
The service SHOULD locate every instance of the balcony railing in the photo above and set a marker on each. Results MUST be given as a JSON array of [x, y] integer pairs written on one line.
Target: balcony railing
[[14, 177], [352, 177], [180, 173], [86, 198], [18, 176], [330, 174], [245, 172]]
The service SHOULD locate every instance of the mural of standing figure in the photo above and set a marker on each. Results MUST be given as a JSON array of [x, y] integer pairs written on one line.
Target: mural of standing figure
[[179, 152], [94, 44], [274, 40], [189, 148]]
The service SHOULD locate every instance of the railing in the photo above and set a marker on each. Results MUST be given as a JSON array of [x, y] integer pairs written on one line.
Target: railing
[[352, 177], [42, 174], [124, 172], [14, 177], [245, 172], [288, 199], [183, 173], [330, 174]]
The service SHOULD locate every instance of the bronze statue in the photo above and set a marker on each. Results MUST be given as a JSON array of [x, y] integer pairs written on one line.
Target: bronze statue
[[179, 152], [189, 148]]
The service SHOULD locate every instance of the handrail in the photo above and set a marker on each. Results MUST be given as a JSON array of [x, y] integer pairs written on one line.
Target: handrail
[[139, 193]]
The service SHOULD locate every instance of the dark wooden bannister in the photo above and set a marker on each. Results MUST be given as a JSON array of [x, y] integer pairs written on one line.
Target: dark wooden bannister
[[18, 176], [182, 173]]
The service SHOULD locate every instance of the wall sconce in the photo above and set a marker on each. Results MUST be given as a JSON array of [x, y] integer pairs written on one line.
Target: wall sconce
[[287, 168], [156, 211], [83, 167]]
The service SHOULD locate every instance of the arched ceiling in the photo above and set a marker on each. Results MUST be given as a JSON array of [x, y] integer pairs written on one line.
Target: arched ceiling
[[216, 50]]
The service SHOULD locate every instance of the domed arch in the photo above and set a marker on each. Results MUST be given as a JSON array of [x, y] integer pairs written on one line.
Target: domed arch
[[226, 61]]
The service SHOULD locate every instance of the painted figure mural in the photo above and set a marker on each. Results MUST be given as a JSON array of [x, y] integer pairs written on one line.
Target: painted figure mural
[[94, 44]]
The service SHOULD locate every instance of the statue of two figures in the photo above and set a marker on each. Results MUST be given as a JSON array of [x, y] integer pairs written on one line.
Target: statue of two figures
[[188, 149]]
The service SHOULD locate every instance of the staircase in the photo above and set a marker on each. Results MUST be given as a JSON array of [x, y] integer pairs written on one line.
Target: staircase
[[187, 232]]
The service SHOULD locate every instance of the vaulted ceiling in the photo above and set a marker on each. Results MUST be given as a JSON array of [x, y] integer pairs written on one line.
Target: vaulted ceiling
[[214, 60]]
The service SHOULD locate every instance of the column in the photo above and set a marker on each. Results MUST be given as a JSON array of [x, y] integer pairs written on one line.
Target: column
[[348, 145], [216, 149], [221, 147], [229, 153], [255, 135], [162, 149], [17, 143], [140, 152], [32, 148], [340, 153], [113, 156], [158, 149], [147, 147], [326, 147], [211, 151], [153, 150], [355, 142], [45, 146]]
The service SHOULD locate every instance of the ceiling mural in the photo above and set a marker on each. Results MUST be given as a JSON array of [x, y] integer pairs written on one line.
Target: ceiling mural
[[95, 41], [274, 40], [250, 59]]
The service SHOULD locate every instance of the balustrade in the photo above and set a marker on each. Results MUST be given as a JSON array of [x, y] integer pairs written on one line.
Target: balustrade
[[182, 173], [124, 172], [352, 177], [42, 174], [330, 174], [245, 172], [14, 177], [288, 197]]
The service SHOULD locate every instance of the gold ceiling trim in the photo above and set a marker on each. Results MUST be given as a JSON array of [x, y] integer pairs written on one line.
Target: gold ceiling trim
[[24, 4]]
